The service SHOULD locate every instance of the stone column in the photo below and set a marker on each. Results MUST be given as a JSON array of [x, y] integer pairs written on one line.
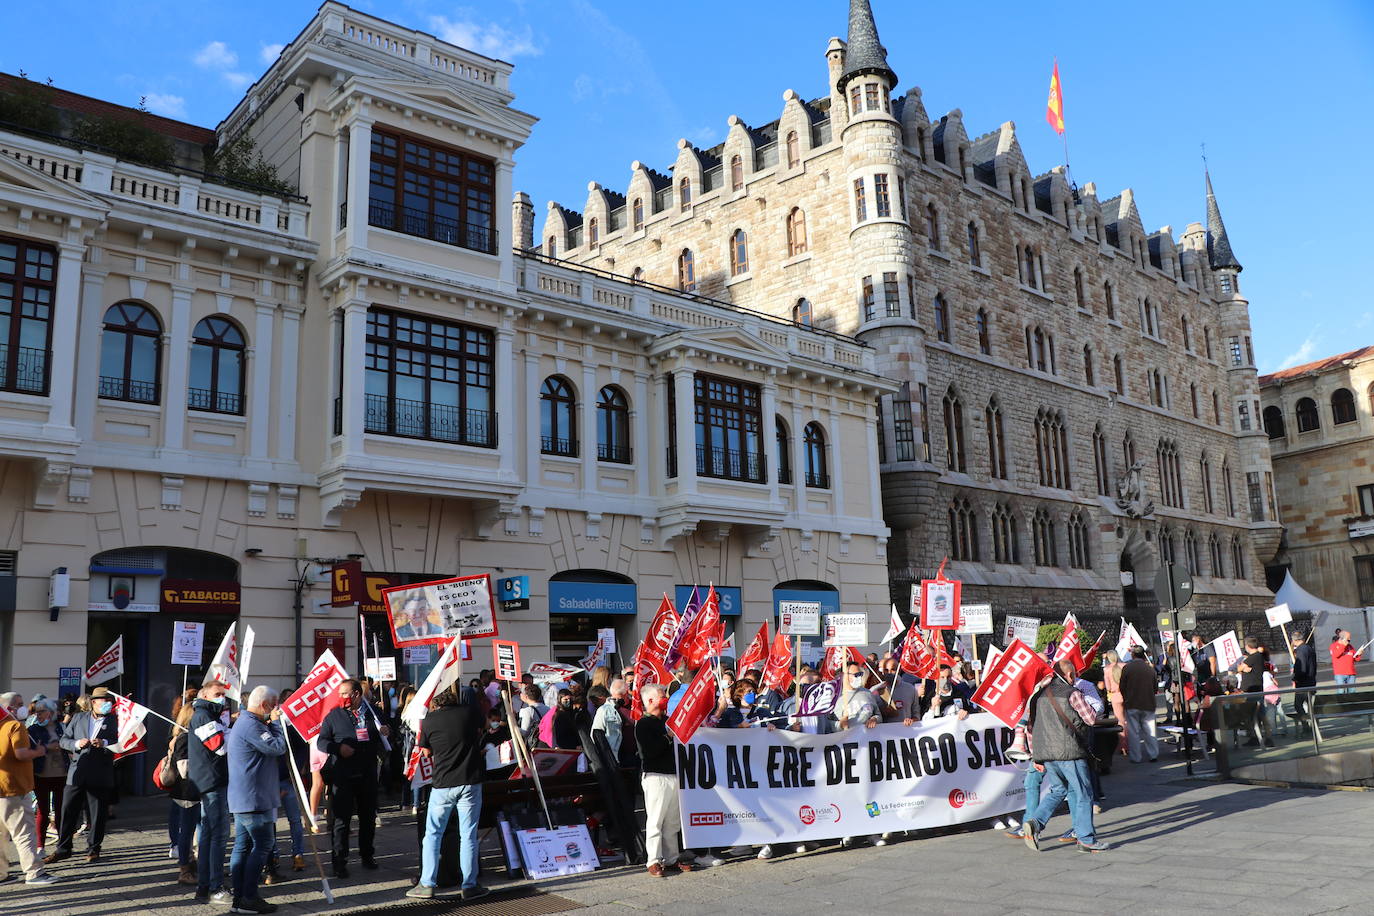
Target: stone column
[[643, 459], [66, 318], [769, 434], [178, 351], [288, 393], [88, 350], [354, 388], [588, 431], [507, 431], [875, 486], [359, 177], [685, 424], [832, 463], [532, 411], [262, 404]]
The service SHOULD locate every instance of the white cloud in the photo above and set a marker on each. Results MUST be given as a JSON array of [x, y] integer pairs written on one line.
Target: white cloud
[[582, 88], [171, 106], [1303, 354], [237, 80], [703, 136], [216, 56], [490, 39], [270, 53]]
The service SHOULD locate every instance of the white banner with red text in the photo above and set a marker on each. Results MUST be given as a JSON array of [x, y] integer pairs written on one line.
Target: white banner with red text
[[752, 786]]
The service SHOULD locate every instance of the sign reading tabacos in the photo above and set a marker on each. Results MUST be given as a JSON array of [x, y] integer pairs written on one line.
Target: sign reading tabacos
[[202, 596]]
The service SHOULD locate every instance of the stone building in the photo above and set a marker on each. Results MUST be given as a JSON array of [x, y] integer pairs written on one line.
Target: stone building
[[1320, 423], [210, 394], [1077, 393]]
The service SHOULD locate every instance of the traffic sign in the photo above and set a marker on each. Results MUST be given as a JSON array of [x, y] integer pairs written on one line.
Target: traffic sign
[[1182, 581]]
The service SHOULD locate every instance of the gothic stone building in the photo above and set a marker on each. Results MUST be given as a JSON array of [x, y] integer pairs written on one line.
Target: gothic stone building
[[1077, 395]]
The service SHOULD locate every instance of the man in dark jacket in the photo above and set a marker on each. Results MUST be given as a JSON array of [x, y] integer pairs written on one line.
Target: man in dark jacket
[[255, 743], [451, 737], [1304, 675], [91, 777], [1061, 721], [351, 735], [1138, 686], [207, 767]]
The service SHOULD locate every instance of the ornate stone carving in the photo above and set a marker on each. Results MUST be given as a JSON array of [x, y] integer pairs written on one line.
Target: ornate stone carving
[[1130, 493]]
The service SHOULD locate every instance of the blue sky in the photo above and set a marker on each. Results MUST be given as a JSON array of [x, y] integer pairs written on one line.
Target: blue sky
[[1279, 92]]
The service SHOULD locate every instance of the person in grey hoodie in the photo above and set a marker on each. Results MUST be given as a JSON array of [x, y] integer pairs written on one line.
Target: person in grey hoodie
[[255, 743]]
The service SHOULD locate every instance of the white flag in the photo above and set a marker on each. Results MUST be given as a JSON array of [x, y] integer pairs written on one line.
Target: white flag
[[444, 675], [129, 716], [108, 665], [1185, 653], [1129, 638], [894, 627], [248, 637], [224, 667]]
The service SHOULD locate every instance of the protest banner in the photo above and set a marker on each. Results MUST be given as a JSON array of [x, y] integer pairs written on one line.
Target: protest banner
[[845, 630], [1010, 681], [753, 787], [551, 672], [940, 603], [188, 639], [435, 612], [1228, 651], [595, 657], [549, 853], [506, 659], [1025, 629], [382, 668], [975, 619], [110, 664], [307, 706]]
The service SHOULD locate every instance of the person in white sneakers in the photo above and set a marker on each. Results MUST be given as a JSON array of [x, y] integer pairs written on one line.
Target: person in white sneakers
[[18, 811]]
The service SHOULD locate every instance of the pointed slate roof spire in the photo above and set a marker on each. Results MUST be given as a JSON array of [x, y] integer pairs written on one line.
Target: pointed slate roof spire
[[864, 53], [1219, 253]]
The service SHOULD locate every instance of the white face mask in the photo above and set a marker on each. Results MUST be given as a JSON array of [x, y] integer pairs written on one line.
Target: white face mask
[[856, 680], [21, 713]]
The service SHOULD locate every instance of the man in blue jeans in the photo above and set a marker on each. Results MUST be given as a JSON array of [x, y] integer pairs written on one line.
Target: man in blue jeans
[[208, 770], [255, 744], [1061, 722], [451, 736]]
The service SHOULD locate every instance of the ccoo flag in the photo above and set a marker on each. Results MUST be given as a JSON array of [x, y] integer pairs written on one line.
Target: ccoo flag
[[1054, 110]]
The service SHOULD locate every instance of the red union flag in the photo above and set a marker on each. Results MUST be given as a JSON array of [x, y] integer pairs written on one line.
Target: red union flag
[[1068, 645], [306, 708], [659, 639], [916, 658], [757, 653], [705, 633], [1092, 653], [419, 768], [129, 716], [777, 672], [110, 664], [697, 702], [1007, 687]]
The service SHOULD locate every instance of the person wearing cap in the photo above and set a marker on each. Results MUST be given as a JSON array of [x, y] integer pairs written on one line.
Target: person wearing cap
[[88, 737]]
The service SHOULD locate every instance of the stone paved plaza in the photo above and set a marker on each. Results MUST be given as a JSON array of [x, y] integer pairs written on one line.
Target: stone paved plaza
[[1181, 846]]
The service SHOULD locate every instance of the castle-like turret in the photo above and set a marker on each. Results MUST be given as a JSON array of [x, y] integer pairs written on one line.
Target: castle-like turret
[[1219, 253], [865, 54]]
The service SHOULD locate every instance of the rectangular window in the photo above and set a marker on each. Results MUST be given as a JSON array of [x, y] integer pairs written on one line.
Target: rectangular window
[[880, 195], [429, 379], [925, 423], [1249, 352], [1234, 344], [729, 429], [882, 441], [856, 101], [1366, 497], [1364, 575], [860, 203], [868, 300], [871, 96], [1256, 494], [28, 283], [433, 192], [901, 195], [903, 430], [1243, 411], [892, 295]]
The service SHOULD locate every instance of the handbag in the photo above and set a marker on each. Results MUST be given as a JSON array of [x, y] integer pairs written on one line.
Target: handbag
[[165, 775]]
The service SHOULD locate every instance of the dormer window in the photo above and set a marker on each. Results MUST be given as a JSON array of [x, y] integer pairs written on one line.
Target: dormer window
[[638, 214], [684, 194], [871, 96], [736, 173], [593, 232]]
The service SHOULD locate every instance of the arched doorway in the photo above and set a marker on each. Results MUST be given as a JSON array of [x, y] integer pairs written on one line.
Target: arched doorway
[[583, 602], [1139, 564]]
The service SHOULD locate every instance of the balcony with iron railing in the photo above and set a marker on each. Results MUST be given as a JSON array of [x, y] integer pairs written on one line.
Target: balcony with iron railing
[[614, 453], [425, 225], [558, 445], [26, 372], [420, 420], [817, 479], [126, 389], [731, 464], [214, 401]]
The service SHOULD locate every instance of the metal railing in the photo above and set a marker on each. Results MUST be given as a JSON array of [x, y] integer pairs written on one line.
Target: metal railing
[[28, 373], [730, 464], [472, 236], [619, 454], [1265, 735], [126, 389], [818, 479], [214, 401], [558, 445], [421, 420]]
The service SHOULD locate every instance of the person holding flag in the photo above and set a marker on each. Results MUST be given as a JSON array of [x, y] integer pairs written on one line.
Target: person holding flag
[[208, 771], [89, 737], [659, 780]]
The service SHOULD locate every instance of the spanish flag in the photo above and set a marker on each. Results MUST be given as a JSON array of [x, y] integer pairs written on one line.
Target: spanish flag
[[1054, 111]]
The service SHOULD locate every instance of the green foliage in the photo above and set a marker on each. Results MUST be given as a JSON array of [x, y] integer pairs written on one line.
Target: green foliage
[[241, 162], [29, 104], [1050, 634], [126, 137]]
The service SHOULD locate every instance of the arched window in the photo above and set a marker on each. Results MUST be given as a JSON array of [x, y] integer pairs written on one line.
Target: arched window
[[1226, 488], [1120, 374], [1079, 555], [1207, 341], [131, 354], [684, 194], [593, 231], [1109, 300], [638, 214], [1040, 350], [551, 246], [1342, 406], [796, 232], [739, 253], [1100, 462], [1170, 474], [1089, 377], [1046, 552], [975, 253], [1028, 267], [1006, 542], [1273, 422], [217, 351], [801, 313], [997, 442], [557, 424], [736, 173], [933, 227], [1308, 418], [686, 271], [813, 439], [793, 150], [984, 333], [1079, 295], [1166, 544], [1192, 394], [1190, 555], [1214, 549], [1052, 449], [941, 319], [613, 426], [784, 450], [1127, 451], [1216, 408], [1205, 472], [1237, 557], [955, 459], [1187, 333], [963, 531]]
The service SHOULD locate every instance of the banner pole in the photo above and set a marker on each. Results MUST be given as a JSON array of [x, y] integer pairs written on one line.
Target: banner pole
[[185, 673], [309, 815], [522, 751], [1287, 641], [796, 677]]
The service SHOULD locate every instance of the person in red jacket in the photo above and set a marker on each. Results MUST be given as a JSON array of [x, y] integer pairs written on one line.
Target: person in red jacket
[[1343, 659]]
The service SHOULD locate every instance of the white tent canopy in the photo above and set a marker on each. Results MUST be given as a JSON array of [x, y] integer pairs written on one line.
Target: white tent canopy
[[1325, 615]]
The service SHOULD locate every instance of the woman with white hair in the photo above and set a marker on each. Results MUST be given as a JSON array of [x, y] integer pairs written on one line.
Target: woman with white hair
[[50, 770]]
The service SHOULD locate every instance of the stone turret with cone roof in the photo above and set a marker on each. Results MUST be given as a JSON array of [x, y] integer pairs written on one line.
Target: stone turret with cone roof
[[1219, 253]]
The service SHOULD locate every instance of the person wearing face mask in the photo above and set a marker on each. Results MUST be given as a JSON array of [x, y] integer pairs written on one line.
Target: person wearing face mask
[[352, 735], [207, 768], [608, 720], [18, 758], [255, 744], [568, 721], [857, 706], [50, 770], [948, 698], [91, 778], [663, 818]]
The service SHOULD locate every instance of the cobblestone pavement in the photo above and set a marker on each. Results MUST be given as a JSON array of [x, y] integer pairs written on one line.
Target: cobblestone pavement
[[1180, 845]]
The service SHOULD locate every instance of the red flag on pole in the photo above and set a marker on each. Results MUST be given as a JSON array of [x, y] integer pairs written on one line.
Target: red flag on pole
[[917, 659], [1054, 110], [1068, 645], [659, 639], [1010, 683], [757, 653], [697, 702], [777, 673], [705, 633], [833, 663], [1092, 653]]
